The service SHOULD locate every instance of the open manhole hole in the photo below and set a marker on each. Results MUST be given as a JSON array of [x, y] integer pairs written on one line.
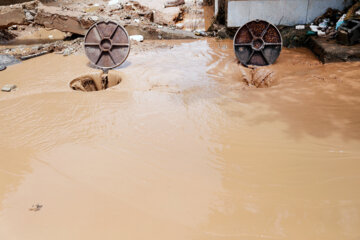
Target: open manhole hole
[[107, 46], [95, 81]]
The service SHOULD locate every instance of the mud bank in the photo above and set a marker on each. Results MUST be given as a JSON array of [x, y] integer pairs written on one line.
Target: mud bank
[[185, 147]]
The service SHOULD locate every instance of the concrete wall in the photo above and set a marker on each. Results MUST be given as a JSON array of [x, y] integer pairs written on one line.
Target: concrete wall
[[285, 12]]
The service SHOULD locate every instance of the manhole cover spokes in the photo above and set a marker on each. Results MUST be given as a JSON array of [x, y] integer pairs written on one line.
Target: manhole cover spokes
[[257, 43], [107, 44]]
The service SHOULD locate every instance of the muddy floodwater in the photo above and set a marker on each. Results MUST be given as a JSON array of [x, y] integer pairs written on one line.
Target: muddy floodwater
[[189, 145]]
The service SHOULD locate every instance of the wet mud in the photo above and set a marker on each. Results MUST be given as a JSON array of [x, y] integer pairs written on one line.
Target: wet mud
[[189, 145]]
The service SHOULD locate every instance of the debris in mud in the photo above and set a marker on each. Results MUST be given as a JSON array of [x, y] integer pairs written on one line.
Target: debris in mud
[[258, 77], [36, 207], [8, 87]]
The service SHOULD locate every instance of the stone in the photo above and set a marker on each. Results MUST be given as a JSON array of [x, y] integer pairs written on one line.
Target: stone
[[16, 14], [138, 38], [63, 20], [7, 60], [11, 15], [29, 17], [8, 87], [2, 68]]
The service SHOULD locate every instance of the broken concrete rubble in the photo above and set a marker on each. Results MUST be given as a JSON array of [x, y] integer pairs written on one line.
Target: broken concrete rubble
[[11, 16], [17, 14], [64, 20]]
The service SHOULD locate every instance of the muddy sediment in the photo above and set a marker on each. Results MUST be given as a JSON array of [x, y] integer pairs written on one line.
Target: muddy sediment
[[187, 146]]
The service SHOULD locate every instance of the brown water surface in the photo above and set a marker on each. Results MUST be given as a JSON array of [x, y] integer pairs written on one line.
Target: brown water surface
[[185, 147]]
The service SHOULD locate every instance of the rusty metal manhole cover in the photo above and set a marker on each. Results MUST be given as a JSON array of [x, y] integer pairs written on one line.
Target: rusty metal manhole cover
[[107, 44], [257, 43]]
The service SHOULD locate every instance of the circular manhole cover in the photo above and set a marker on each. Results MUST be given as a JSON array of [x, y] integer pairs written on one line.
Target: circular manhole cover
[[107, 44], [257, 43]]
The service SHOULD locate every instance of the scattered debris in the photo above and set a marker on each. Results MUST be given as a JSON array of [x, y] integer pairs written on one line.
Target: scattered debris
[[200, 33], [36, 207], [138, 38], [340, 21], [349, 33], [8, 87], [33, 55], [300, 27], [329, 24]]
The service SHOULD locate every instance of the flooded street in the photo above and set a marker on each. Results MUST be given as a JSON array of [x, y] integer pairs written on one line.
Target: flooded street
[[185, 147]]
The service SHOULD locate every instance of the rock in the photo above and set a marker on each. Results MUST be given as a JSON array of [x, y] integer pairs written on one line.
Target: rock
[[63, 20], [16, 14], [138, 38], [11, 15], [29, 17], [8, 87], [2, 68], [7, 60]]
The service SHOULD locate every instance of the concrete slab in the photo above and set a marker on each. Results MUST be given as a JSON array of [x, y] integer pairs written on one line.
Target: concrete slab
[[330, 51]]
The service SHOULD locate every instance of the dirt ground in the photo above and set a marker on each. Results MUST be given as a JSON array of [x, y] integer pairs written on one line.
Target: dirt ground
[[189, 145]]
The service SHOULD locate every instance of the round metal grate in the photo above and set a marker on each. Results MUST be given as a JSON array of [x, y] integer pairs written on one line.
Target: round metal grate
[[257, 43], [107, 44]]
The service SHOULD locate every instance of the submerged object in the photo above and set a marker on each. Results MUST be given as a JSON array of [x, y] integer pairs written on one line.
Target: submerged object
[[257, 43]]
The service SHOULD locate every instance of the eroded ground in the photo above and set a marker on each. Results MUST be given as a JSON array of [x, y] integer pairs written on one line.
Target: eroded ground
[[189, 145]]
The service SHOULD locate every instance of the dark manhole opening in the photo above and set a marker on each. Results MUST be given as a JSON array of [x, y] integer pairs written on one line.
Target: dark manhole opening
[[96, 81]]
